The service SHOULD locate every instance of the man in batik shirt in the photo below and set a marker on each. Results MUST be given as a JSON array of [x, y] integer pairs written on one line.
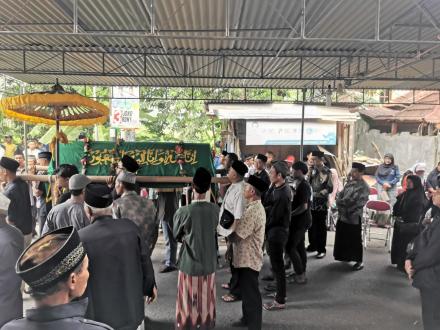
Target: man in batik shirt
[[138, 209]]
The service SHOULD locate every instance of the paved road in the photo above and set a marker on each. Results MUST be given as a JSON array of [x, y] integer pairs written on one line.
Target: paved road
[[378, 297]]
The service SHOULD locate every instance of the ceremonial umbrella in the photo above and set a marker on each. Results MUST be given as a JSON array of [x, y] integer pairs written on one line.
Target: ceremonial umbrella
[[55, 107]]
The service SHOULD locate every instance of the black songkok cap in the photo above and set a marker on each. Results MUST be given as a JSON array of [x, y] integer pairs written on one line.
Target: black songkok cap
[[239, 167], [232, 156], [202, 179], [45, 155], [301, 166], [9, 164], [360, 167], [66, 170], [257, 183], [317, 153], [262, 157], [98, 195], [130, 164], [53, 268]]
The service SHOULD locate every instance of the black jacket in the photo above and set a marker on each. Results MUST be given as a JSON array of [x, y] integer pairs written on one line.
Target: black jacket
[[66, 317], [19, 212], [410, 207], [278, 205], [11, 247], [263, 176], [121, 272], [425, 256]]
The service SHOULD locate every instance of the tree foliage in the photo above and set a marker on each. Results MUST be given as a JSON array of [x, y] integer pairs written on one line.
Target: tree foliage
[[166, 113], [177, 120]]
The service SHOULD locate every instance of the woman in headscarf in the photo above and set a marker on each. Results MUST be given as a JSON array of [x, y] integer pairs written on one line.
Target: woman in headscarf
[[419, 169], [387, 176], [409, 208]]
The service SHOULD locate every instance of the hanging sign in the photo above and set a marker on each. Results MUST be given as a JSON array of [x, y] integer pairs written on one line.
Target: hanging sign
[[125, 108]]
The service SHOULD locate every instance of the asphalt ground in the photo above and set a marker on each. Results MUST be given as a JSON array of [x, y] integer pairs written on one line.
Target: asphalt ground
[[335, 297]]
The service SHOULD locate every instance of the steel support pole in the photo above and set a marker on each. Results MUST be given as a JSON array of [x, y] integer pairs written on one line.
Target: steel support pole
[[75, 16], [377, 31], [152, 18], [301, 149], [227, 19], [116, 34]]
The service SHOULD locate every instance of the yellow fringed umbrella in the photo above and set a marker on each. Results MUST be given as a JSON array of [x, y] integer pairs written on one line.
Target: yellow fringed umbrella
[[55, 107]]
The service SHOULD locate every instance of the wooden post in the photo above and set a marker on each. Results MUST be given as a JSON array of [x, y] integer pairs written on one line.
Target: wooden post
[[143, 179], [394, 128]]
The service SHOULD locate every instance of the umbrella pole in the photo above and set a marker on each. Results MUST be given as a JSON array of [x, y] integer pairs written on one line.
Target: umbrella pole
[[25, 147], [57, 142]]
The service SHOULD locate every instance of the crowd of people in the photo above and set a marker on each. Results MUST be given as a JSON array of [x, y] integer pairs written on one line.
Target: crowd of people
[[84, 249]]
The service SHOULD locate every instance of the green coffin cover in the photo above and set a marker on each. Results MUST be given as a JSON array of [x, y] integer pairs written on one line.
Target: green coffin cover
[[155, 158]]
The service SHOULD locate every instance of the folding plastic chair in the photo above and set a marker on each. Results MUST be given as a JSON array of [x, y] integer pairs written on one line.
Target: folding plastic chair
[[371, 209], [373, 194], [373, 191]]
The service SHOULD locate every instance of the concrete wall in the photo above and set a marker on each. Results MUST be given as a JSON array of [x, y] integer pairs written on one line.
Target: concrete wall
[[407, 148]]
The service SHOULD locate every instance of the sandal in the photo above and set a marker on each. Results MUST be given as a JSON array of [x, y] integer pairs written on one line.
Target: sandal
[[229, 298], [274, 306], [273, 295], [226, 286]]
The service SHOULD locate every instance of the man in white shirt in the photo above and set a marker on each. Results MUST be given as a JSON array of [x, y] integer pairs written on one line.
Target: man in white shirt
[[234, 202]]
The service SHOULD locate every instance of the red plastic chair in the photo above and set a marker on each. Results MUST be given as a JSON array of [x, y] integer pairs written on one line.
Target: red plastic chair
[[371, 208], [373, 191]]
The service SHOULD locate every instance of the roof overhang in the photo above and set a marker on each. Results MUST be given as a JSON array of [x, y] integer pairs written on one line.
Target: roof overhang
[[277, 111]]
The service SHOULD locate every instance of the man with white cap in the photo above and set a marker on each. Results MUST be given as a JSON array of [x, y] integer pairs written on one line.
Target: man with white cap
[[11, 246], [126, 164], [136, 208], [71, 212]]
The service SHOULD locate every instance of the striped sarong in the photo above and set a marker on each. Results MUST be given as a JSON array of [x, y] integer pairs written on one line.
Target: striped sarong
[[195, 307]]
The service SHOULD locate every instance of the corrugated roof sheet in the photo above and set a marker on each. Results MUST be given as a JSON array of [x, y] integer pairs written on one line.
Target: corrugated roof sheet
[[263, 22], [418, 112]]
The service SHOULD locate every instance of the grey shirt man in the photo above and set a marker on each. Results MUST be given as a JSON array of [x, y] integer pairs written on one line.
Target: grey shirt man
[[66, 214], [11, 247]]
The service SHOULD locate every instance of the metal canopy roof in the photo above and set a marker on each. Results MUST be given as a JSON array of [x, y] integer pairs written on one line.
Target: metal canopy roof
[[223, 43]]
